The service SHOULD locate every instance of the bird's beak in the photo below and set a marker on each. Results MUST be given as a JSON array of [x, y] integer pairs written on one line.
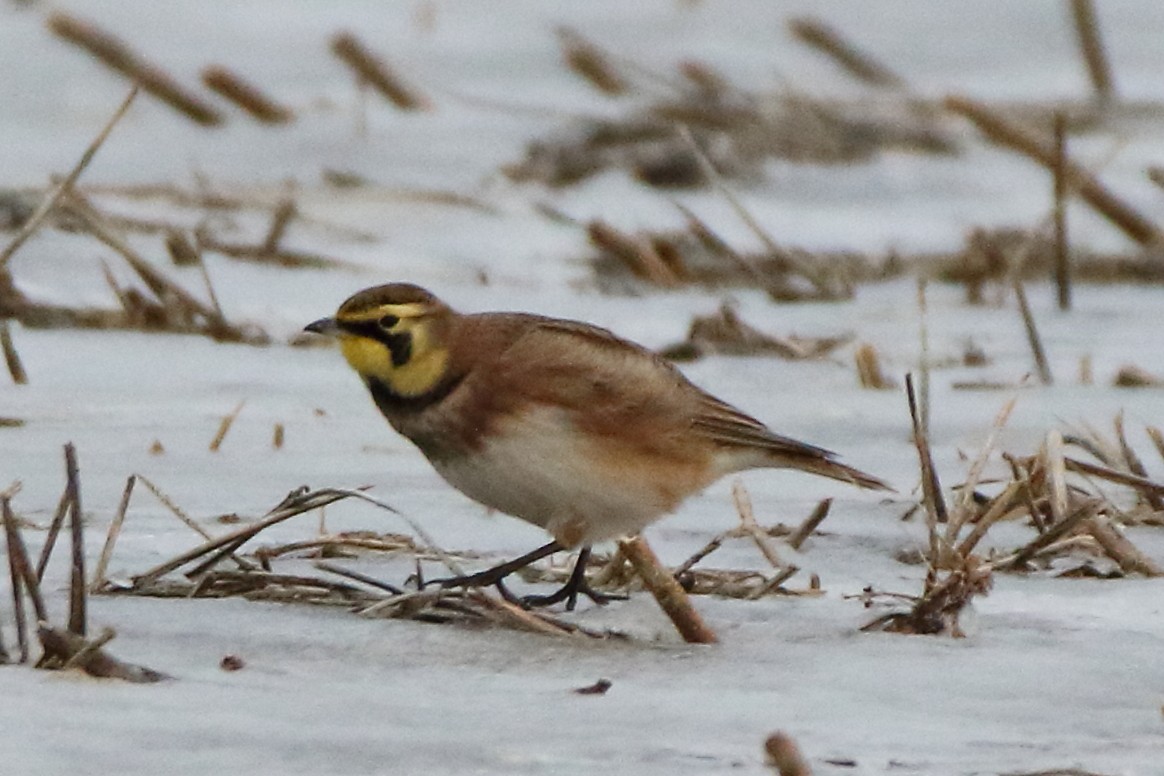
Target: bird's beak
[[326, 326]]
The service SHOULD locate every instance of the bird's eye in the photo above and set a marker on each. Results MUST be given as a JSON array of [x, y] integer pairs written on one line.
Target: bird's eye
[[388, 321]]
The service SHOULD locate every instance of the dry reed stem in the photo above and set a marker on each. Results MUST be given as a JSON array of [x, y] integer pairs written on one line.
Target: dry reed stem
[[78, 615], [1006, 133], [590, 62], [1032, 331], [752, 529], [869, 372], [167, 291], [718, 246], [371, 70], [16, 578], [1056, 476], [1117, 547], [934, 503], [169, 504], [1059, 194], [923, 335], [672, 599], [11, 357], [295, 504], [856, 63], [85, 653], [637, 252], [784, 755], [61, 646], [47, 205], [1092, 50], [810, 524], [116, 55], [224, 426], [998, 507], [964, 506], [54, 530], [277, 437], [280, 220], [245, 95], [812, 274], [1140, 484], [99, 581], [1157, 439], [1085, 511]]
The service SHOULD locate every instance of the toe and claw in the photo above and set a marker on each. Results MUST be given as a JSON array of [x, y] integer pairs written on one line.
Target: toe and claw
[[569, 592]]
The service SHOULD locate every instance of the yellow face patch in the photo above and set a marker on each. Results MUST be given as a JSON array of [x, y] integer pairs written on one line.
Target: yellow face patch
[[412, 372]]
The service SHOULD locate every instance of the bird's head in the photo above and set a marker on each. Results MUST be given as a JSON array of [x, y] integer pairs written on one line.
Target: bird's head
[[396, 334]]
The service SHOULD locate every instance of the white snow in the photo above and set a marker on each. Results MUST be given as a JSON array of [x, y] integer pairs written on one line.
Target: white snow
[[1056, 673]]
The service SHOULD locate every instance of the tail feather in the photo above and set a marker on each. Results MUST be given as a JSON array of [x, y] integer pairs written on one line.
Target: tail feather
[[825, 466]]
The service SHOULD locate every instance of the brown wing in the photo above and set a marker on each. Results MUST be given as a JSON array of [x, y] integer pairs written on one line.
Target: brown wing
[[614, 388]]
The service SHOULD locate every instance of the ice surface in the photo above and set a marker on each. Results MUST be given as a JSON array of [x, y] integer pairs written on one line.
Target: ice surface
[[1056, 673]]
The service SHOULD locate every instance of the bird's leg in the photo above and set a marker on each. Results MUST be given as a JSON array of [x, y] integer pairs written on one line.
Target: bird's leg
[[575, 585], [491, 576]]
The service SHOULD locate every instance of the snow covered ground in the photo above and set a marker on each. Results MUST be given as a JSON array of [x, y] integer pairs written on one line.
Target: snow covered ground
[[1056, 673]]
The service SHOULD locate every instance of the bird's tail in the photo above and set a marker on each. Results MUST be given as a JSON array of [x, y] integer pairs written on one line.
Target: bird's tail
[[823, 464]]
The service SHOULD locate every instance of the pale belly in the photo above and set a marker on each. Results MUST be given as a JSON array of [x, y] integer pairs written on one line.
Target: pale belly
[[581, 490]]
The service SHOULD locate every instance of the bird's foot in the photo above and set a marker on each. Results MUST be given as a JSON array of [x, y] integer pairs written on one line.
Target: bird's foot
[[569, 593]]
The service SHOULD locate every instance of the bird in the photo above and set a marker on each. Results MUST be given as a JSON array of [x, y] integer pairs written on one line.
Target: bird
[[557, 422]]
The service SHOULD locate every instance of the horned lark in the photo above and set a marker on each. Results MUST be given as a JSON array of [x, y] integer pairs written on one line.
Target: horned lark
[[557, 422]]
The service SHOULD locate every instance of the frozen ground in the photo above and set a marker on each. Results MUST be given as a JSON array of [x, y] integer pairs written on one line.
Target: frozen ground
[[1056, 673]]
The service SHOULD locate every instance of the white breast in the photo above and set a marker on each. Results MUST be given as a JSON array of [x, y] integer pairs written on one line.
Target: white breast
[[537, 467]]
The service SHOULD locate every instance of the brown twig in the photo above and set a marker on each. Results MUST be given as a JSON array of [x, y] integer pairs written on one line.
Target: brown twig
[[784, 755], [16, 577], [1062, 254], [47, 205], [671, 597], [1033, 339], [54, 530], [591, 63], [1122, 551], [931, 488], [856, 63], [1092, 49], [117, 56], [810, 524], [63, 646], [11, 357], [99, 580], [372, 70], [1006, 133], [295, 504], [77, 588], [224, 426], [245, 95]]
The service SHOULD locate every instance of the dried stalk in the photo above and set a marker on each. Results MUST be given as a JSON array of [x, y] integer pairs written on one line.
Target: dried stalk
[[99, 580], [64, 647], [11, 357], [117, 56], [856, 63], [50, 202], [671, 597], [810, 524], [245, 95], [1032, 331], [374, 72], [1062, 251], [225, 425], [1092, 49], [77, 589], [1004, 132]]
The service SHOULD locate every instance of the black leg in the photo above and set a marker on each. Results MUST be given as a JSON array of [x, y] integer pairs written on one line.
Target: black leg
[[492, 576], [575, 585]]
